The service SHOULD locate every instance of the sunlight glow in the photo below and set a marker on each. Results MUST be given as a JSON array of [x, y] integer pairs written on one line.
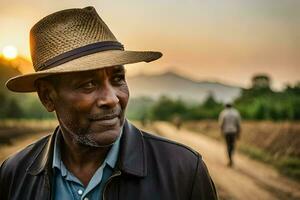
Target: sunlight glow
[[10, 52]]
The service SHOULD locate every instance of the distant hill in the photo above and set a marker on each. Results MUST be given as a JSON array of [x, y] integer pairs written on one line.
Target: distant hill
[[154, 86], [176, 86]]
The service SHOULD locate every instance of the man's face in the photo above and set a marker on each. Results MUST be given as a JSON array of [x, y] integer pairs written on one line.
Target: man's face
[[90, 106]]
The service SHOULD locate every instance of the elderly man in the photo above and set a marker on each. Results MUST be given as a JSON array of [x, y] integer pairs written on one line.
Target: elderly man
[[94, 153]]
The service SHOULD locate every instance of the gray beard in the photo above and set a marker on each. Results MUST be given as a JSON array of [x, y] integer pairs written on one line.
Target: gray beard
[[86, 139]]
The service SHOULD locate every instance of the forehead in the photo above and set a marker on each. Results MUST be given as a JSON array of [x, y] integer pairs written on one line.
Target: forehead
[[92, 73]]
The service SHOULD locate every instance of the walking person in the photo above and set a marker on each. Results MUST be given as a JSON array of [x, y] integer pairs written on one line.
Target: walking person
[[229, 120]]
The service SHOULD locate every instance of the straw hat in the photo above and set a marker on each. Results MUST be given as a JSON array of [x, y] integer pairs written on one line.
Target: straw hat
[[73, 40]]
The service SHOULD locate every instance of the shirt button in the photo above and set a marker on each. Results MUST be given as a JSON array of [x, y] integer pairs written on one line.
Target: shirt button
[[80, 192]]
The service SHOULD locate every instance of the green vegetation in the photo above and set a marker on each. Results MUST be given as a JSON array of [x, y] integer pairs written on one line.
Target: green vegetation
[[22, 106], [167, 109], [18, 106], [139, 108], [259, 102], [287, 165]]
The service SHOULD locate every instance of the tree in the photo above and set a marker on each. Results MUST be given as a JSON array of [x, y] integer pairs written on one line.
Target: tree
[[166, 108], [3, 102], [261, 81], [13, 110], [210, 101]]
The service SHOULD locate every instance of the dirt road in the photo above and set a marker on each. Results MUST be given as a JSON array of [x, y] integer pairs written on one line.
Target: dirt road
[[248, 179]]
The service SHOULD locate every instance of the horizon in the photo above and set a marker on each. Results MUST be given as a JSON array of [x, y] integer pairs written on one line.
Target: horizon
[[209, 40], [15, 63]]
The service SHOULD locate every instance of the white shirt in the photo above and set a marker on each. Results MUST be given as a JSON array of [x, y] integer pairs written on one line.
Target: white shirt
[[229, 120]]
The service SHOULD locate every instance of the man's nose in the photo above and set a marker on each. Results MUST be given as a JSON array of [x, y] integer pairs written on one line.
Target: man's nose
[[107, 96]]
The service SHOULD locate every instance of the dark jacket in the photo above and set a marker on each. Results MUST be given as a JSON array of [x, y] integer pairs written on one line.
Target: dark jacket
[[149, 168]]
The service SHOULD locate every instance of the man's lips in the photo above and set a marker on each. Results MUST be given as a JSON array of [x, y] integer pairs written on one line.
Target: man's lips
[[105, 120], [105, 117]]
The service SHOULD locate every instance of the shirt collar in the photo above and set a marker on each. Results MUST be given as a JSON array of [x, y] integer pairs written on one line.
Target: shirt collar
[[132, 154], [112, 156]]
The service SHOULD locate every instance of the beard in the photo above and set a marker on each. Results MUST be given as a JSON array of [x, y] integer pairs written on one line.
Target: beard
[[88, 140], [83, 134]]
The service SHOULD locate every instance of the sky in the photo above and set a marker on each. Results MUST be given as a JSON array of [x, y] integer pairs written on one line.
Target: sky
[[218, 40]]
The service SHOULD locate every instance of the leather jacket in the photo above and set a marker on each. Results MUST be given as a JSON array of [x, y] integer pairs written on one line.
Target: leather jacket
[[148, 168]]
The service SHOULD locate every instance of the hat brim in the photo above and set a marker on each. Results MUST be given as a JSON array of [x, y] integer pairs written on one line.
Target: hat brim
[[26, 82]]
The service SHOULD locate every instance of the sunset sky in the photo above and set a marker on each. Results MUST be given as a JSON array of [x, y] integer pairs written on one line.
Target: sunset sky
[[219, 40]]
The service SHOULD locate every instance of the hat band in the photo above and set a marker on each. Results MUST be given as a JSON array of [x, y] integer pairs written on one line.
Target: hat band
[[79, 52]]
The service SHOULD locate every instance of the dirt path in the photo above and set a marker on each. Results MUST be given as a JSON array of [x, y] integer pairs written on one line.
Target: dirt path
[[248, 179]]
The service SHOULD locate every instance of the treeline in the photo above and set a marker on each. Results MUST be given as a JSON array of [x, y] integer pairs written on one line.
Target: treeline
[[168, 109], [259, 102], [270, 105], [13, 105], [22, 106], [253, 104]]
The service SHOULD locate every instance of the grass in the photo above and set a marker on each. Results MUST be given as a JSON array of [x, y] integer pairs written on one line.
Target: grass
[[287, 165], [255, 153], [273, 143]]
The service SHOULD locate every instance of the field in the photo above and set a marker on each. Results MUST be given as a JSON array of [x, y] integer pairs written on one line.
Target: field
[[276, 143]]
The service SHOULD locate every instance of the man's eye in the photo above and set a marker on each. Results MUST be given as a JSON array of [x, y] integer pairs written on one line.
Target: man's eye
[[119, 78], [88, 85]]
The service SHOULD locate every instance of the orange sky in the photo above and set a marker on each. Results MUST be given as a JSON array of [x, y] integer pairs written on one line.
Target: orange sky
[[229, 41]]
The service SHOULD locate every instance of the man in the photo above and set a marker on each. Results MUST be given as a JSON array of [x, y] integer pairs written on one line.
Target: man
[[94, 153], [229, 120]]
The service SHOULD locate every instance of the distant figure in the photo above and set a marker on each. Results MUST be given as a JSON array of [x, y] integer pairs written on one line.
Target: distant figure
[[229, 120], [177, 121], [144, 120]]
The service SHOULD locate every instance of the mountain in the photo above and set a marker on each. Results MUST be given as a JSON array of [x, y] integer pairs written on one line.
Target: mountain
[[154, 86], [176, 86]]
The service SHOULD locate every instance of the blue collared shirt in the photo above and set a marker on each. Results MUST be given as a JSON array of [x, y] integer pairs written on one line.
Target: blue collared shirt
[[68, 187]]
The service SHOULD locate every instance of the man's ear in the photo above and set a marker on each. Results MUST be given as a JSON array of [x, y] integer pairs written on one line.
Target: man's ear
[[46, 93]]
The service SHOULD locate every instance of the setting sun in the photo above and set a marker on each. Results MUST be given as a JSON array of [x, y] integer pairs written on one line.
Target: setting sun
[[10, 52]]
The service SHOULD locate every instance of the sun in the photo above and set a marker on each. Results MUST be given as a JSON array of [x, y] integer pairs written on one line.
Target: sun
[[10, 52]]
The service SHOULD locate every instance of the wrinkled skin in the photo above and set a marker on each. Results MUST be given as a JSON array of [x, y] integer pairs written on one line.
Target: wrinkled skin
[[90, 105]]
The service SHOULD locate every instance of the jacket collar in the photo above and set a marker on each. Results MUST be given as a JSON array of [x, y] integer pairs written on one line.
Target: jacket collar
[[132, 155], [43, 159]]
